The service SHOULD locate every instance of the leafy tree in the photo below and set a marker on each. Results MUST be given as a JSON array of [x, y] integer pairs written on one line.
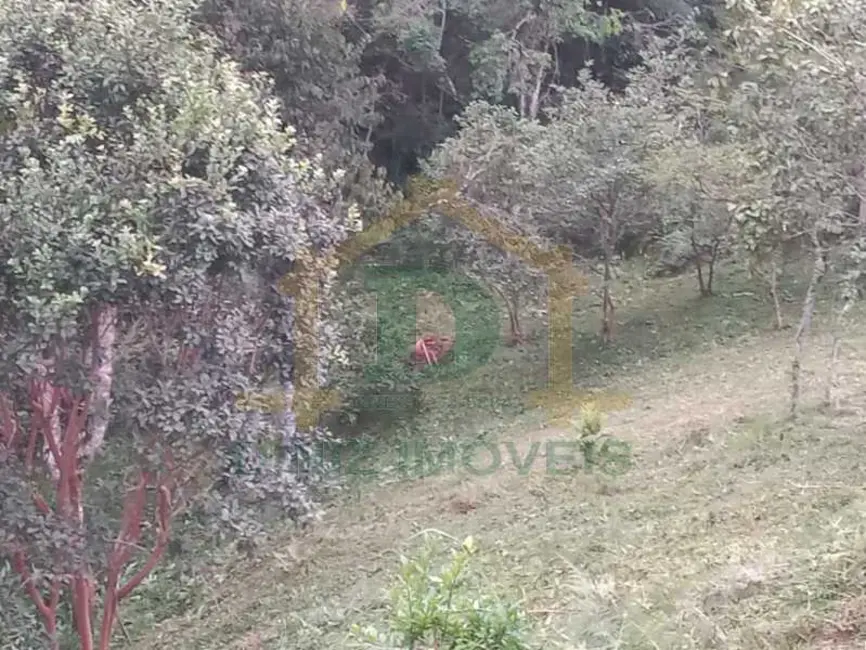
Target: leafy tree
[[588, 170], [577, 179], [314, 53], [802, 105], [513, 51], [485, 160], [696, 194], [703, 172], [149, 205], [315, 67], [519, 57], [443, 54]]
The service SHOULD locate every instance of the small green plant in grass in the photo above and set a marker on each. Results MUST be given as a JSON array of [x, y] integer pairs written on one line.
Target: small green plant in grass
[[599, 449], [447, 608]]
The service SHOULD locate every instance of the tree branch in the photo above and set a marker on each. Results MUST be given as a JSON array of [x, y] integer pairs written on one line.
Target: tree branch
[[163, 525]]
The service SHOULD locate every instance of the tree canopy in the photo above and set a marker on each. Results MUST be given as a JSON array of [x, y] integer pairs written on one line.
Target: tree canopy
[[151, 203]]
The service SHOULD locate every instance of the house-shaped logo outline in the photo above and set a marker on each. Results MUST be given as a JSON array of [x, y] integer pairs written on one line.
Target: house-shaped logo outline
[[423, 197]]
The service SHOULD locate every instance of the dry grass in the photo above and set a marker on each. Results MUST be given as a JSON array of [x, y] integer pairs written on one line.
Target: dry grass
[[733, 529]]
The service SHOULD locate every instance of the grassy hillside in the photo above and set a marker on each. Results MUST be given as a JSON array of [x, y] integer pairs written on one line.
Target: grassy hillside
[[732, 529]]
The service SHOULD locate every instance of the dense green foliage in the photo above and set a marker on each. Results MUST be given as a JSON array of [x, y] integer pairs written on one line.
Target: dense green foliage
[[150, 204]]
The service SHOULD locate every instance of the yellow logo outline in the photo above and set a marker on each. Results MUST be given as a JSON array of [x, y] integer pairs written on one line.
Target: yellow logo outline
[[423, 196]]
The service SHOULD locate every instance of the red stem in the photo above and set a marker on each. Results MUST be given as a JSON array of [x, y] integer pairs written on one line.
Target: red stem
[[47, 610], [41, 504], [82, 609], [129, 534], [163, 521], [65, 448]]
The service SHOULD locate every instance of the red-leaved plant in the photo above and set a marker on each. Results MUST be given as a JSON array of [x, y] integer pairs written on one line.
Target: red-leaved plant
[[56, 423]]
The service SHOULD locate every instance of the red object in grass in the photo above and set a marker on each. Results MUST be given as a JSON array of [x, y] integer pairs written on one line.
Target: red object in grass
[[431, 348]]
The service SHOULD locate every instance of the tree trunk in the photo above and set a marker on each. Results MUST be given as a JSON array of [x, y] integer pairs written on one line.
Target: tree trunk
[[861, 210], [831, 394], [608, 312], [514, 315], [701, 287], [772, 281], [535, 99], [774, 293], [819, 270], [47, 397], [705, 288], [514, 331], [104, 333], [63, 503], [608, 240], [711, 267]]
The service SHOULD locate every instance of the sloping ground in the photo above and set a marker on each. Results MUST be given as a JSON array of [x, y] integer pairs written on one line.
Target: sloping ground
[[731, 530]]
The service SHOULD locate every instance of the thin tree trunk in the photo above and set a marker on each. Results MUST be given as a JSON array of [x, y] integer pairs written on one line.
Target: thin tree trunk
[[608, 313], [772, 281], [516, 329], [774, 292], [443, 21], [831, 394], [861, 191], [608, 240], [832, 379], [515, 332], [819, 270], [711, 270], [52, 414], [286, 419], [701, 287], [535, 100], [104, 335]]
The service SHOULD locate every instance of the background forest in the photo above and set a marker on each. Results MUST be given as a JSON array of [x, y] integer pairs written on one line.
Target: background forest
[[213, 210]]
